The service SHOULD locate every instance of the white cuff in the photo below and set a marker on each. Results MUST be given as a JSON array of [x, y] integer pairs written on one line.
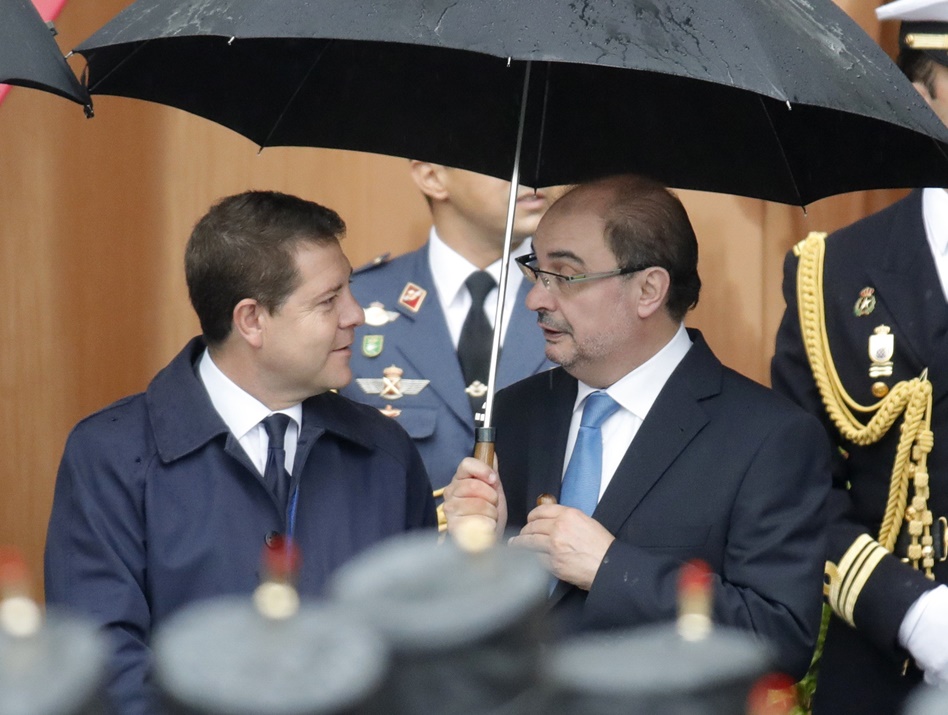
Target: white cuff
[[924, 633]]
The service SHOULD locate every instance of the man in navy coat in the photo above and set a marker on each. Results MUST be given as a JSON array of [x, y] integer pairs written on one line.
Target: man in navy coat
[[694, 462], [879, 338], [405, 357], [172, 495]]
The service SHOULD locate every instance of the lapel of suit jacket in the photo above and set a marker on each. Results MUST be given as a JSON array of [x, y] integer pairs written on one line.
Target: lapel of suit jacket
[[428, 347], [554, 412], [907, 282], [524, 346], [551, 414], [671, 424]]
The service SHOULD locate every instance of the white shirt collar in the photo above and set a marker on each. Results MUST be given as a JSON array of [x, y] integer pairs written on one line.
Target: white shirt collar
[[638, 390], [449, 269], [240, 410], [935, 214]]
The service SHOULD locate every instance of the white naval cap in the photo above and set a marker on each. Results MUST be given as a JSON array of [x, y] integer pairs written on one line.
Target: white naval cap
[[914, 11], [924, 26]]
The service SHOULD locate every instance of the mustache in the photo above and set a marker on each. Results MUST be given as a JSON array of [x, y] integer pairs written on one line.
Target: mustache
[[545, 320]]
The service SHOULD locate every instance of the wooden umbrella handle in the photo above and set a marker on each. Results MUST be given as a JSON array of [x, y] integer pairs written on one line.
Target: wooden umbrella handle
[[484, 451], [484, 445]]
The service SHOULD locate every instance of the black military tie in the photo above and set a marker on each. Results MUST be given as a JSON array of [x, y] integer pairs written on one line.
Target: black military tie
[[476, 338], [275, 475]]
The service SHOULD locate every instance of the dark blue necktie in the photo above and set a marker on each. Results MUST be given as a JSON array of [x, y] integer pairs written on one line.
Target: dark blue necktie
[[275, 475], [584, 474]]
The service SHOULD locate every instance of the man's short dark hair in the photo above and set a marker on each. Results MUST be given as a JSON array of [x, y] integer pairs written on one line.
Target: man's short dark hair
[[245, 247], [646, 224], [918, 67]]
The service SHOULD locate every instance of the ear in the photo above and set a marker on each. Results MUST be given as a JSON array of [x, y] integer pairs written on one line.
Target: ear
[[249, 318], [923, 90], [430, 179], [654, 285]]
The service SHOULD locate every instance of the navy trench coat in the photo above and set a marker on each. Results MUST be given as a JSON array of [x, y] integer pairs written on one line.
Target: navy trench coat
[[157, 505]]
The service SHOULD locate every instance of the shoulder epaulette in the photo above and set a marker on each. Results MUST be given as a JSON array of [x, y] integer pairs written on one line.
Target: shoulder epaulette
[[379, 260], [798, 247]]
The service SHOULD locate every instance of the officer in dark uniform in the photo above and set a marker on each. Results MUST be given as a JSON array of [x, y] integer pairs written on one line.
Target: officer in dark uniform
[[422, 355], [871, 300]]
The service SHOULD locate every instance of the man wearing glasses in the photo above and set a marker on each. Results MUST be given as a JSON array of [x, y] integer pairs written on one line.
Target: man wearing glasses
[[655, 452]]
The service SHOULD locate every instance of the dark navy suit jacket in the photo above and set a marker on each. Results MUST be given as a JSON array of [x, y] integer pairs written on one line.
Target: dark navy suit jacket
[[157, 505], [722, 469], [439, 417], [862, 670]]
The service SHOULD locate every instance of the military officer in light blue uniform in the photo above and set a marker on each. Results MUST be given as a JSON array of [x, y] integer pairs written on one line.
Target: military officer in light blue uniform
[[405, 360]]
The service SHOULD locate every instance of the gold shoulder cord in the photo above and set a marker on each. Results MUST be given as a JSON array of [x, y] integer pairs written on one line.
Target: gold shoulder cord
[[913, 398]]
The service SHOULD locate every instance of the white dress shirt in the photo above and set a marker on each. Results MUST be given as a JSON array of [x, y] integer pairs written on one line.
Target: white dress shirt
[[242, 413], [450, 269], [635, 393], [935, 215]]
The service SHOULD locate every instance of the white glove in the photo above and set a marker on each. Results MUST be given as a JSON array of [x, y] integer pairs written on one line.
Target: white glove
[[924, 633]]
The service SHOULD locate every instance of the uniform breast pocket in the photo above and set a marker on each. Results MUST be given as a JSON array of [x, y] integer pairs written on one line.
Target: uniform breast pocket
[[419, 422]]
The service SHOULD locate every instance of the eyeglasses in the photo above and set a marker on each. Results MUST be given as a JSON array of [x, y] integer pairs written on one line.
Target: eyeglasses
[[557, 281]]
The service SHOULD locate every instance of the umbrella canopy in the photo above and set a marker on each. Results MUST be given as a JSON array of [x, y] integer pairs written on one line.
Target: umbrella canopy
[[785, 100], [30, 57]]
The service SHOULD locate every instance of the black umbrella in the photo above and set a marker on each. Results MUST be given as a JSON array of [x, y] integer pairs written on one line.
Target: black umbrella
[[785, 100], [30, 57]]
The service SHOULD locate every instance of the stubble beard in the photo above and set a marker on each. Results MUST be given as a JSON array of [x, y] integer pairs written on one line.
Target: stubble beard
[[551, 351], [571, 354]]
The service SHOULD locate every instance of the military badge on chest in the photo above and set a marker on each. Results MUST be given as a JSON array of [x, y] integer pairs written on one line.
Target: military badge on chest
[[391, 386], [866, 302], [881, 352], [376, 315], [412, 297], [372, 345], [881, 343]]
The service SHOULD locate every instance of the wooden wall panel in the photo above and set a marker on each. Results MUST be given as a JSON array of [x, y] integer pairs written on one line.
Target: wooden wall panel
[[730, 262], [94, 215], [202, 162]]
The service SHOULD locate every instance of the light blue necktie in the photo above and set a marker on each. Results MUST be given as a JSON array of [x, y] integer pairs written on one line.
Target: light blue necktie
[[584, 473]]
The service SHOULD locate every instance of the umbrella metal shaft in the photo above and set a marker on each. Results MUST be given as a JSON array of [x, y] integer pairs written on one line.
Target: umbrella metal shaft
[[485, 434]]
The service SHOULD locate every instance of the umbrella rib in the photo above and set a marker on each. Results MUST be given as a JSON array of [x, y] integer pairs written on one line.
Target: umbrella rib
[[299, 87], [118, 65], [783, 154], [542, 132], [941, 148]]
